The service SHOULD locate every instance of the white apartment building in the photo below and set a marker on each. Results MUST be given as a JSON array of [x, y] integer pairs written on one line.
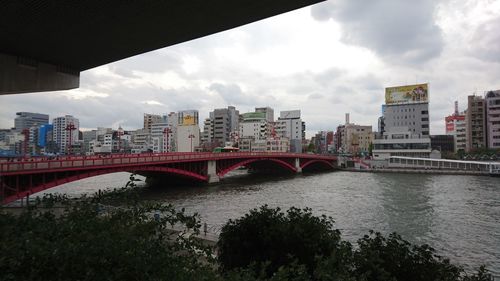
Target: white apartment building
[[492, 100], [406, 123], [254, 125], [61, 132], [289, 125], [162, 137]]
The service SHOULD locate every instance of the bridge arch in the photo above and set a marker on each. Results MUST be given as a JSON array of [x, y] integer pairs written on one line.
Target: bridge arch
[[280, 162], [79, 175], [316, 161]]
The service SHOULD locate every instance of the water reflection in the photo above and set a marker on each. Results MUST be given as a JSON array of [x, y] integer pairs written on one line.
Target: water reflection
[[406, 199]]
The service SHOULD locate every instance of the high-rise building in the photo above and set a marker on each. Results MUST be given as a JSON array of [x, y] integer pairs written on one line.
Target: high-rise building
[[492, 101], [141, 141], [254, 125], [455, 126], [188, 131], [150, 119], [405, 123], [208, 131], [162, 137], [220, 124], [475, 123], [65, 130], [268, 111], [289, 125], [26, 120]]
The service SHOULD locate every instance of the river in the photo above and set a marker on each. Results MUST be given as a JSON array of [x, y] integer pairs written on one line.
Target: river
[[457, 215]]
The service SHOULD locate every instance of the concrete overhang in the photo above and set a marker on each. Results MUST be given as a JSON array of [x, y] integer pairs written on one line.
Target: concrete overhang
[[44, 45]]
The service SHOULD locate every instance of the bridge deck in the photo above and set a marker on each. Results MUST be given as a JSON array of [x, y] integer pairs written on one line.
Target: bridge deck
[[42, 164], [25, 176]]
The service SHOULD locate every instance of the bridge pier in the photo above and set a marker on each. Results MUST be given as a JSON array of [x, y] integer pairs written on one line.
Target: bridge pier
[[212, 171], [297, 165]]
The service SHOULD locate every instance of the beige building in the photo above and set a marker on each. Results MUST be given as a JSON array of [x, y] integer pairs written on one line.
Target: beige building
[[356, 138], [475, 123], [150, 119]]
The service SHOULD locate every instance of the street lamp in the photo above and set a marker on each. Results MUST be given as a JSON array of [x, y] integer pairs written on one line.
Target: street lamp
[[166, 131], [191, 136]]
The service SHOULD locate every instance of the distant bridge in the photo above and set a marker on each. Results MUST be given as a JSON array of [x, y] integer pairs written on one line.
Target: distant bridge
[[24, 177]]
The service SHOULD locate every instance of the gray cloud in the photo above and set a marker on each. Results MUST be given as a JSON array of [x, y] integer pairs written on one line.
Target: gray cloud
[[398, 30], [485, 43], [315, 96], [122, 71], [231, 93]]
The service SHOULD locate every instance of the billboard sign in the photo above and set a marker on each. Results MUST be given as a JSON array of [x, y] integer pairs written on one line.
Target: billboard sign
[[254, 115], [407, 94], [188, 118]]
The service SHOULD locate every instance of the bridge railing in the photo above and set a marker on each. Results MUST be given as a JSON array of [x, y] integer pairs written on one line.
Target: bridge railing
[[69, 162]]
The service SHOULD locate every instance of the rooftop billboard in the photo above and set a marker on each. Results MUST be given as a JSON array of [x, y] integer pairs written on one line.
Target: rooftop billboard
[[407, 94], [188, 117]]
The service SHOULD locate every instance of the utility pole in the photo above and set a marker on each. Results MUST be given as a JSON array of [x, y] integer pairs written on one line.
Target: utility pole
[[167, 131], [70, 128], [26, 133]]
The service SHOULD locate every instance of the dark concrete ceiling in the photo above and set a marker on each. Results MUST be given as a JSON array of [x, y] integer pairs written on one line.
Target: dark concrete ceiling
[[87, 33]]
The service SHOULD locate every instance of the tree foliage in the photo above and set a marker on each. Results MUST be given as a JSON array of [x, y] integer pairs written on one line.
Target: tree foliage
[[269, 235], [267, 243], [90, 240]]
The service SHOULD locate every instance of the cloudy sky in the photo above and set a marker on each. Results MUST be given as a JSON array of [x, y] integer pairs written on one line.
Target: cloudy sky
[[328, 59]]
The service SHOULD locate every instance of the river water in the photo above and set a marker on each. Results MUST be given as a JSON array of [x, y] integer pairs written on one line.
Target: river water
[[457, 215]]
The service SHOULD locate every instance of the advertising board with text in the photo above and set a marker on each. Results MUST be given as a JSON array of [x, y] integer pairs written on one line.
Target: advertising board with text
[[407, 94]]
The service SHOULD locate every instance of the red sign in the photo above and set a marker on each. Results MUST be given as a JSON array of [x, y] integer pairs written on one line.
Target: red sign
[[450, 127]]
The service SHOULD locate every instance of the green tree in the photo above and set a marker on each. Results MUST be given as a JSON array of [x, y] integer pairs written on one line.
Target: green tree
[[93, 240], [393, 258], [267, 239], [311, 147]]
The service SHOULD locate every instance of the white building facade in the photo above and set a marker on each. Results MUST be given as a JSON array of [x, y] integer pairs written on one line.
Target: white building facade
[[492, 100], [290, 126], [406, 123], [61, 132]]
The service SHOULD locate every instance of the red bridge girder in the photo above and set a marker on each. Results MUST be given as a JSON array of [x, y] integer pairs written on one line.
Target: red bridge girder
[[24, 177]]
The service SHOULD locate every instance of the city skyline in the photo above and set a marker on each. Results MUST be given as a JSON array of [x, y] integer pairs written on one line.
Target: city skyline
[[326, 60]]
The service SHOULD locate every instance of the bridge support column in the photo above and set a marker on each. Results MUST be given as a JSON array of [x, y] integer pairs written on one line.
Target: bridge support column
[[212, 171], [297, 165]]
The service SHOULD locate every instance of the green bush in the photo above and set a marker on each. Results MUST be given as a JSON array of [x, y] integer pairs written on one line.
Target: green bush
[[87, 240], [269, 235], [267, 244]]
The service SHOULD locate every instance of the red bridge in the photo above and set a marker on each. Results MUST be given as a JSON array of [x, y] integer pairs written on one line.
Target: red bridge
[[23, 177]]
